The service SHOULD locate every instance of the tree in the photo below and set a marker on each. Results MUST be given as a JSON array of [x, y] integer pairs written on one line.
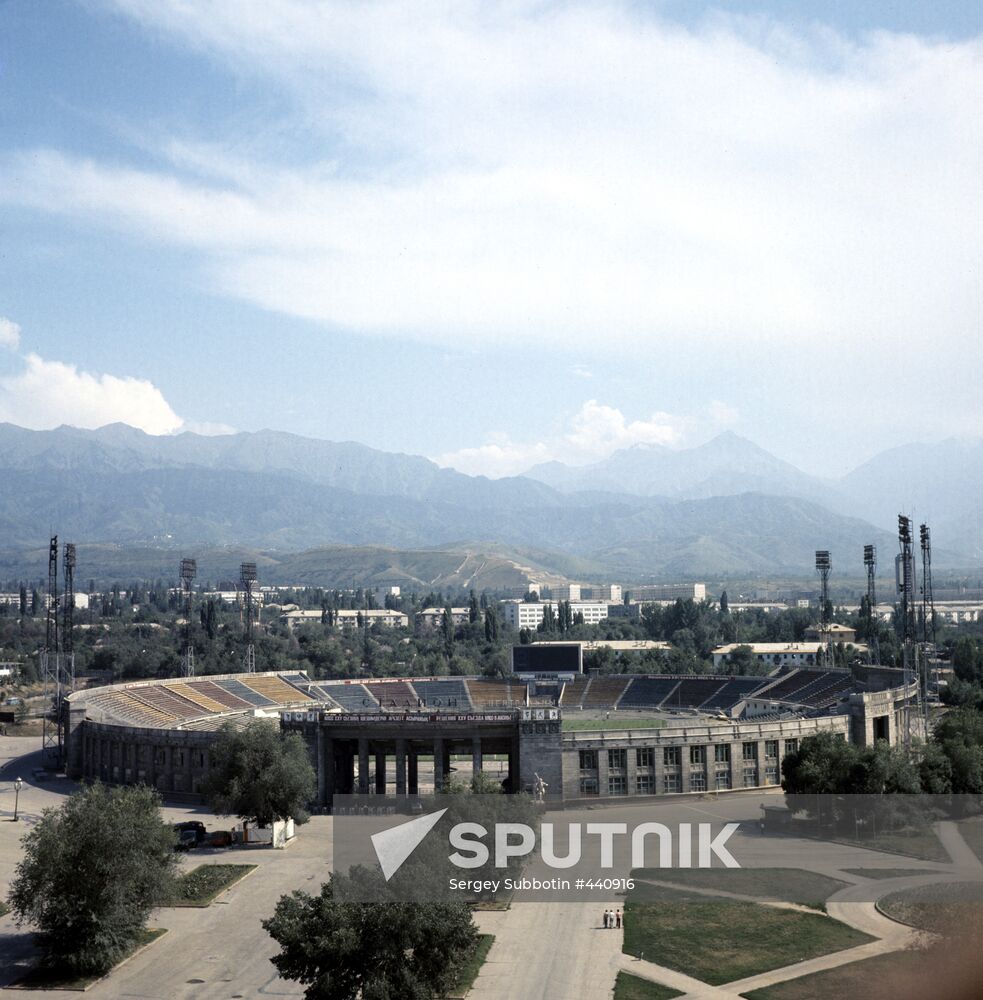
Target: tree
[[381, 951], [91, 873], [724, 604], [260, 774]]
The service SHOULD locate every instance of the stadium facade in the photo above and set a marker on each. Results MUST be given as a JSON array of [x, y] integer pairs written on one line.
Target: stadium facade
[[400, 736]]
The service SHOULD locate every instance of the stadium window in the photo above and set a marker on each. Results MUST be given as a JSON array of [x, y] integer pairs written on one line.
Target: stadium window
[[750, 777], [771, 775], [617, 760], [791, 746], [749, 751], [723, 779], [672, 757], [644, 784], [617, 784], [721, 753], [673, 783], [698, 781], [588, 787], [645, 757], [698, 755], [771, 749], [588, 760]]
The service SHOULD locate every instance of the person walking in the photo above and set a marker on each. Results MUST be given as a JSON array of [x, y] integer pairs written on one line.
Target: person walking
[[604, 920], [618, 919]]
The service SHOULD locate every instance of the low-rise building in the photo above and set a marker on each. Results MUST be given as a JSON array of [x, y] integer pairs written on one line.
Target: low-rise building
[[670, 592], [346, 618], [523, 614], [432, 619], [834, 633]]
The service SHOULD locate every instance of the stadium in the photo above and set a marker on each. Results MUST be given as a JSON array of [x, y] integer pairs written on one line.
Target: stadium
[[588, 738]]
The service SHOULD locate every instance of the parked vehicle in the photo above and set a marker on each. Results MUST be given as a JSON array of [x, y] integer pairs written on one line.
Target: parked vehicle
[[190, 833]]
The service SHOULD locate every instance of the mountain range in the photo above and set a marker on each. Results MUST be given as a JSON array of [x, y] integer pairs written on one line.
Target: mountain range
[[725, 507]]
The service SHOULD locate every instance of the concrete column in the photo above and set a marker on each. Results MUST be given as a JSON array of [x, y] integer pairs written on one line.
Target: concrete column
[[322, 777], [476, 754], [400, 767], [439, 774], [326, 770], [659, 770], [685, 769], [447, 762], [152, 765], [602, 771], [188, 766], [413, 778], [363, 766], [380, 772]]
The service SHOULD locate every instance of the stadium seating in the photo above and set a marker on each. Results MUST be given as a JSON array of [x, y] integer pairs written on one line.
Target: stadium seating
[[351, 697], [648, 692], [277, 690], [693, 692], [160, 697], [440, 695], [236, 687], [488, 693], [394, 695], [734, 690], [786, 688], [198, 696], [229, 701], [604, 692], [573, 692]]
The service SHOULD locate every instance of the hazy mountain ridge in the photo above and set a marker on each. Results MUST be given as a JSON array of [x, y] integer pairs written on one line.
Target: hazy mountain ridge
[[284, 493]]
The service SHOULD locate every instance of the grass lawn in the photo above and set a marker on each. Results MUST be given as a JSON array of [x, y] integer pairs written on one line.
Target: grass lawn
[[201, 885], [884, 977], [469, 973], [789, 885], [878, 873], [945, 909], [572, 724], [719, 942], [629, 987], [972, 833], [914, 844], [55, 979]]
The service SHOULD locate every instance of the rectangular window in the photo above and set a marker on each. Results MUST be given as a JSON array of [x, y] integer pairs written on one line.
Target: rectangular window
[[698, 781], [750, 751], [617, 760], [791, 746], [750, 777], [771, 775], [644, 784], [672, 757], [588, 787], [697, 755], [673, 783], [617, 784], [723, 779], [588, 760], [721, 753], [645, 757], [771, 749]]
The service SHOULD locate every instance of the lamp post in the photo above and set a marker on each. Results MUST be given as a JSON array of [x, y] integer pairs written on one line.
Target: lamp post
[[18, 785]]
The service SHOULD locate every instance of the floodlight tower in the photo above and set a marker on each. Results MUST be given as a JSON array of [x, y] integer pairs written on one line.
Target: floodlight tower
[[823, 566], [189, 569], [904, 571], [873, 645], [247, 577], [67, 642], [51, 666], [928, 604]]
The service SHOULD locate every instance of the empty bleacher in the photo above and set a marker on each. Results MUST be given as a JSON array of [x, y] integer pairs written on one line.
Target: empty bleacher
[[277, 690], [648, 692], [121, 705], [604, 692], [734, 690], [786, 689], [831, 690], [693, 692], [351, 697], [442, 694], [236, 687], [198, 696], [488, 693], [394, 694], [573, 692], [159, 697], [229, 701]]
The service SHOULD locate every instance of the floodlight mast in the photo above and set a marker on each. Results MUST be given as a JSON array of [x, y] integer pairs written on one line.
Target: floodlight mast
[[51, 666], [67, 659], [189, 570], [873, 643], [823, 566], [247, 577], [905, 580], [928, 609]]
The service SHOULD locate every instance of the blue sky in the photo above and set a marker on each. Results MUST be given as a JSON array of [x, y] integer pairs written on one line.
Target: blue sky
[[495, 234]]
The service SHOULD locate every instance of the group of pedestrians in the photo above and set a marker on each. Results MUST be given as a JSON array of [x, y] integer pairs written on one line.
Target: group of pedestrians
[[612, 918]]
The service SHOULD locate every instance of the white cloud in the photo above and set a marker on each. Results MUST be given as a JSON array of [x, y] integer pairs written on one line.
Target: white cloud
[[592, 433], [722, 415], [9, 333], [49, 393], [510, 171], [207, 428]]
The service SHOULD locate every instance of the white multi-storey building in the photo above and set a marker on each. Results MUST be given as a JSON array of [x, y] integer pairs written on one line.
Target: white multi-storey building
[[520, 614]]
